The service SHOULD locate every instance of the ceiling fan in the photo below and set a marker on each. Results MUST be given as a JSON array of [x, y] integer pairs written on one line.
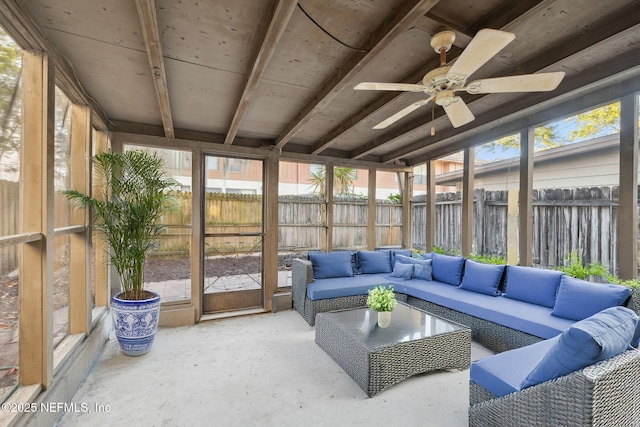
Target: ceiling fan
[[441, 83]]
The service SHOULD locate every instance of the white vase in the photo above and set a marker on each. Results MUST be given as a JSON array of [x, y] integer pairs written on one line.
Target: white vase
[[384, 318]]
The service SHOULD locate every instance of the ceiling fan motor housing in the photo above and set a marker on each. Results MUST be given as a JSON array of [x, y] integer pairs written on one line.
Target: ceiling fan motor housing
[[437, 80]]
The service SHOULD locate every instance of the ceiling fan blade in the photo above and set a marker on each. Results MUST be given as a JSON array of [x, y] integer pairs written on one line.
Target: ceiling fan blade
[[484, 46], [400, 114], [525, 83], [458, 112], [407, 87]]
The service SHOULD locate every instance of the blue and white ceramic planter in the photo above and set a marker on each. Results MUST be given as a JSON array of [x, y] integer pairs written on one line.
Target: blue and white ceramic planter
[[136, 323]]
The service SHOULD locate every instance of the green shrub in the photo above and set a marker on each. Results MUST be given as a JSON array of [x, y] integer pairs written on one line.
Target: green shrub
[[629, 283], [577, 269], [498, 260]]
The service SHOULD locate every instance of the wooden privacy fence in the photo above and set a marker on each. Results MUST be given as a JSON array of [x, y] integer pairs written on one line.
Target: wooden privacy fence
[[581, 220], [565, 221], [301, 223]]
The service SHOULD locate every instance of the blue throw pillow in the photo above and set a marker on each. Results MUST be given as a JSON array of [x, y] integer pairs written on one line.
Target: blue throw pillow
[[599, 337], [427, 255], [423, 270], [403, 271], [410, 260], [447, 269], [403, 252], [483, 278], [331, 264], [534, 285], [372, 262], [578, 299]]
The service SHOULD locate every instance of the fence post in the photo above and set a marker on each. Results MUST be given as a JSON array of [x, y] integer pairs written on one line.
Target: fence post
[[512, 227], [466, 233]]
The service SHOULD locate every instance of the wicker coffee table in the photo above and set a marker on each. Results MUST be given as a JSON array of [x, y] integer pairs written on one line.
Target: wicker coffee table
[[377, 358]]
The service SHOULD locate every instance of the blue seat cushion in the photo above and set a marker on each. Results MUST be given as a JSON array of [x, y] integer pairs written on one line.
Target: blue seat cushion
[[599, 337], [345, 286], [483, 278], [402, 271], [331, 264], [534, 285], [447, 269], [578, 299], [523, 316], [371, 262], [503, 373]]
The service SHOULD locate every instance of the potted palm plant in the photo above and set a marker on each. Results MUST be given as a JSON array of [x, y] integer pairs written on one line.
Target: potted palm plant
[[383, 300], [132, 198]]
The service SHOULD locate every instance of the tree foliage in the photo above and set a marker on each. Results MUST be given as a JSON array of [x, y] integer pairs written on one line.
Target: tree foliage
[[343, 178], [600, 121], [545, 137], [10, 73]]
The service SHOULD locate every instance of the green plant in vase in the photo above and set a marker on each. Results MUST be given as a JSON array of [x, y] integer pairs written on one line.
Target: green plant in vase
[[383, 300], [133, 196]]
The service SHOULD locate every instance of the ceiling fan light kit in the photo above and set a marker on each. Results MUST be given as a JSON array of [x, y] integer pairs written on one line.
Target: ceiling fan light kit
[[440, 84]]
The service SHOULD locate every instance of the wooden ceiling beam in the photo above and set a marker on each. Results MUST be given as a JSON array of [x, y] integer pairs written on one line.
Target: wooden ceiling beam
[[148, 14], [391, 28], [510, 14], [502, 18], [382, 101], [610, 26], [280, 19], [623, 21]]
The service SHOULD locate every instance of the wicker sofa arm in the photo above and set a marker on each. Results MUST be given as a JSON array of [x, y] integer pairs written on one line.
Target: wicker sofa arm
[[603, 394], [301, 274]]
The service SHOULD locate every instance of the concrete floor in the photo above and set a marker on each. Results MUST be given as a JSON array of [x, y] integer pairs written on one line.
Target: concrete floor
[[259, 370]]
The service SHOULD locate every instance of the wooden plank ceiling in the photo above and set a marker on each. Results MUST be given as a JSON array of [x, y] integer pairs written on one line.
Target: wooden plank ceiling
[[280, 73]]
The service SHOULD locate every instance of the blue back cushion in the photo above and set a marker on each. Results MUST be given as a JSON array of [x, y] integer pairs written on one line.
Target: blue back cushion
[[599, 337], [578, 299], [331, 264], [371, 262], [533, 285], [447, 269], [403, 271], [483, 278]]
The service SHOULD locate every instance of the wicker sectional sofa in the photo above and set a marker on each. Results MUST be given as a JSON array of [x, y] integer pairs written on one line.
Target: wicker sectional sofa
[[506, 307], [565, 346]]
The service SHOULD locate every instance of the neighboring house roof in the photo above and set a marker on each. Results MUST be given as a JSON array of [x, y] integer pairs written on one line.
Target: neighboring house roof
[[569, 152]]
